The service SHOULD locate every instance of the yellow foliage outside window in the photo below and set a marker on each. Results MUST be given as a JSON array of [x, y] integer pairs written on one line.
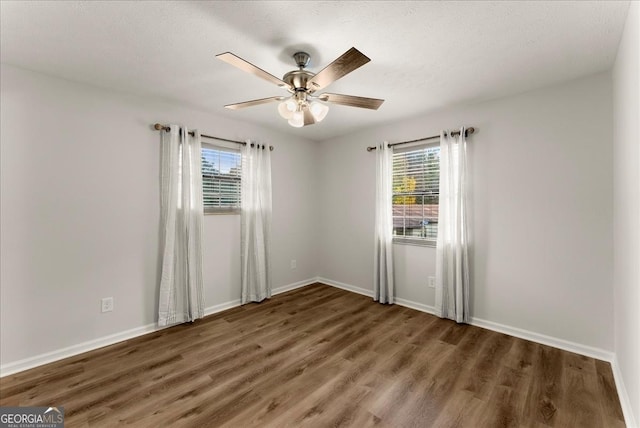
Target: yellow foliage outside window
[[408, 185]]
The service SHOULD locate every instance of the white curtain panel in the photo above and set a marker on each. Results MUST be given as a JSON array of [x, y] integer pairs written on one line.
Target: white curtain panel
[[256, 223], [181, 288], [383, 288], [452, 259]]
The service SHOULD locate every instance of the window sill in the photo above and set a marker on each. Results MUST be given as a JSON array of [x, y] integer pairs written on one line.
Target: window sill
[[416, 242], [230, 212]]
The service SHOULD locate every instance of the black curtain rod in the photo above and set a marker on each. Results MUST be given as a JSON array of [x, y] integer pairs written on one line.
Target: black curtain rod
[[160, 127], [468, 132]]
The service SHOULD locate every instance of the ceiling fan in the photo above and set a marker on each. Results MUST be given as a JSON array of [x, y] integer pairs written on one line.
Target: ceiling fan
[[303, 107]]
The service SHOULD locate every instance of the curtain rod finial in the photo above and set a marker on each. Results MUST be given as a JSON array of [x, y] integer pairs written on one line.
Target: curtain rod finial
[[158, 127]]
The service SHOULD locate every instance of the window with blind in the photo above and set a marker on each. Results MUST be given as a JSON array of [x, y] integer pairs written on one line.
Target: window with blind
[[221, 180], [416, 189]]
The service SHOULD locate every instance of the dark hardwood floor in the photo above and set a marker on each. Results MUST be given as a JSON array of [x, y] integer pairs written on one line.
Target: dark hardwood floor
[[323, 357]]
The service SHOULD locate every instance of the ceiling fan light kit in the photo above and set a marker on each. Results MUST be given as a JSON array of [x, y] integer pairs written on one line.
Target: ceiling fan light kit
[[302, 107]]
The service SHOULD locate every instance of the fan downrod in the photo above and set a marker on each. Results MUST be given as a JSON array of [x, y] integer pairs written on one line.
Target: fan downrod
[[302, 59]]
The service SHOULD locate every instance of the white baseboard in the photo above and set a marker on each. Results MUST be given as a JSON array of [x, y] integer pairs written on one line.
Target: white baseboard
[[347, 287], [625, 403], [490, 325], [70, 351], [543, 339], [90, 345], [555, 342], [295, 285], [369, 293], [415, 305], [49, 357], [220, 307]]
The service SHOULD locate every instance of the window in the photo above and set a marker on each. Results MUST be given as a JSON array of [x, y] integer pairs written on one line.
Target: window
[[416, 190], [220, 180]]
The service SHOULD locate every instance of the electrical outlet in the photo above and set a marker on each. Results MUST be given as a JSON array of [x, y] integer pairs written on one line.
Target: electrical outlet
[[294, 264], [432, 282], [107, 304]]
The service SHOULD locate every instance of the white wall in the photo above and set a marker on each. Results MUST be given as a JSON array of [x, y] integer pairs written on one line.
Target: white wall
[[626, 209], [541, 168], [80, 212]]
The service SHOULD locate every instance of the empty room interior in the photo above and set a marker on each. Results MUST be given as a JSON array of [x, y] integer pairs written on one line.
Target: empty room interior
[[291, 213]]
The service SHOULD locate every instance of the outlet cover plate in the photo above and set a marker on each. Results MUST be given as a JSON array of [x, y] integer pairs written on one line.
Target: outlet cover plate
[[107, 304]]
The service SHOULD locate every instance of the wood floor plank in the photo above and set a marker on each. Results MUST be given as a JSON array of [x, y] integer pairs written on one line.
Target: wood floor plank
[[462, 410], [546, 389], [323, 357], [608, 395], [583, 387], [285, 396], [483, 375]]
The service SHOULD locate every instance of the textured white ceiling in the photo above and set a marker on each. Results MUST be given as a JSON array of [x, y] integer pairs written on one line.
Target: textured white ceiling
[[424, 55]]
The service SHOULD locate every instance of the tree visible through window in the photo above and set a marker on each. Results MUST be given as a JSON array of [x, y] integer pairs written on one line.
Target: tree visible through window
[[416, 190], [221, 169]]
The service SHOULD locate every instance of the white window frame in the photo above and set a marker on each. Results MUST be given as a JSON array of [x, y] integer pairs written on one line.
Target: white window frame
[[221, 210], [414, 240]]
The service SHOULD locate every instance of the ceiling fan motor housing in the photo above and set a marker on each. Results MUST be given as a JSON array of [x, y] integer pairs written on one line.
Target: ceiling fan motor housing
[[298, 79]]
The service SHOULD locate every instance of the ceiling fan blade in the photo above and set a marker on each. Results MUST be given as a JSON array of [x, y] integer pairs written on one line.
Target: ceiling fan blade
[[345, 64], [243, 65], [308, 117], [352, 101], [253, 103]]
